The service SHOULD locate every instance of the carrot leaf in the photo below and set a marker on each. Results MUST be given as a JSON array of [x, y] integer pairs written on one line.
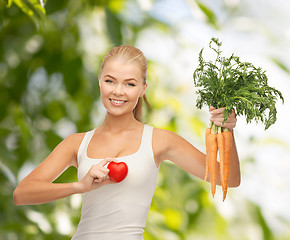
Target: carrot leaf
[[230, 83]]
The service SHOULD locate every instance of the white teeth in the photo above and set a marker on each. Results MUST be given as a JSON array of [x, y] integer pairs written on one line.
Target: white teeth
[[117, 101]]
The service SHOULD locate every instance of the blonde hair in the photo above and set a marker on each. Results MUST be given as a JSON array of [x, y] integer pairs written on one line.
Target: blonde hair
[[131, 54]]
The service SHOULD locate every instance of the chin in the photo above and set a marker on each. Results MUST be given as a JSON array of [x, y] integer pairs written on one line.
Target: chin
[[112, 113], [119, 112]]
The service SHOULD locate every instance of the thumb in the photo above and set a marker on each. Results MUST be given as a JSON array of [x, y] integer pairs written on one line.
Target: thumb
[[107, 181], [211, 108], [97, 185]]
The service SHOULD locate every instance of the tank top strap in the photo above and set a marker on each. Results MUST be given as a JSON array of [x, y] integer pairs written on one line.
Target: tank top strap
[[147, 137], [84, 145], [147, 144]]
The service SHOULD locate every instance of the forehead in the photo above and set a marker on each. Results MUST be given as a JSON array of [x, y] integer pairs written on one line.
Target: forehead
[[121, 69]]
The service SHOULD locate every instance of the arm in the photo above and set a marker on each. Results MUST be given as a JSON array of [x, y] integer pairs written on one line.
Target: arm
[[170, 146], [37, 187]]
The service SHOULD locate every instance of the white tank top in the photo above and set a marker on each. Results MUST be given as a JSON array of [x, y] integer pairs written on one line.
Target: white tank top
[[118, 211]]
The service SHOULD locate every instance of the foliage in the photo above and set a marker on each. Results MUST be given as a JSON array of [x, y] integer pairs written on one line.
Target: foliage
[[48, 83], [48, 89], [233, 84], [33, 8]]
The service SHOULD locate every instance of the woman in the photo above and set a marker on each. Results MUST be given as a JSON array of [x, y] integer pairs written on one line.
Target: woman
[[118, 210]]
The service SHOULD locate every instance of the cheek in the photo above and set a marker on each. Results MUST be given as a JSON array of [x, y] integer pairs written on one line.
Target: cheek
[[104, 90], [134, 94]]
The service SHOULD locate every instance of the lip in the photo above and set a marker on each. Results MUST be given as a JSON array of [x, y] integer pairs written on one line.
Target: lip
[[112, 100]]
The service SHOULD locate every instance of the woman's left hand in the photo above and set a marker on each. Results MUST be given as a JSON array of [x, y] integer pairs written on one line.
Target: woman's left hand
[[217, 117]]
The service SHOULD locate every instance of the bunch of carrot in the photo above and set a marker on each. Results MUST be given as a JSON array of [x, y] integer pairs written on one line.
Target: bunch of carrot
[[218, 139], [230, 83]]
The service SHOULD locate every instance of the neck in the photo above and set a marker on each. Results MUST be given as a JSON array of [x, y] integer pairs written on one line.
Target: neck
[[119, 123]]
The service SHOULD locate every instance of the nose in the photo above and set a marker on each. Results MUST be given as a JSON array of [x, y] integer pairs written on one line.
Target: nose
[[118, 90]]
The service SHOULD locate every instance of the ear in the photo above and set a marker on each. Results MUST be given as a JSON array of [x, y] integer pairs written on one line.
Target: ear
[[143, 90], [99, 79]]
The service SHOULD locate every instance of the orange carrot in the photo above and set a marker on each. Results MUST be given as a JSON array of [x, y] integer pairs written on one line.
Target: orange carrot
[[212, 156], [221, 149], [207, 132], [226, 165]]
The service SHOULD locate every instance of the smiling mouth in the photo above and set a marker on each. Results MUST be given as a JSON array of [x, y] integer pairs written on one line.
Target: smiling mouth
[[117, 101]]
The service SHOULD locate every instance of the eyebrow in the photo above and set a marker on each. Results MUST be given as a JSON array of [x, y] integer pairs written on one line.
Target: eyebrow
[[129, 79]]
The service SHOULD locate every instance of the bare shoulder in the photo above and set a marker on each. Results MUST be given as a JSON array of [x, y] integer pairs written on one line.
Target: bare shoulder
[[162, 134], [75, 138], [168, 145], [163, 140], [165, 136], [72, 143]]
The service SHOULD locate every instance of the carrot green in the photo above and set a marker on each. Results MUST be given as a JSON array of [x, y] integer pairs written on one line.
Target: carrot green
[[230, 83]]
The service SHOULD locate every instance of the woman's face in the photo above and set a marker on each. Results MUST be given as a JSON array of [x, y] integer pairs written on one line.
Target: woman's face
[[121, 85]]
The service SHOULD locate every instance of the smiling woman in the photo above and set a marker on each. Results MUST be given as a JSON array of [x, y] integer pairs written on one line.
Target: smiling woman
[[114, 210], [121, 86], [122, 60]]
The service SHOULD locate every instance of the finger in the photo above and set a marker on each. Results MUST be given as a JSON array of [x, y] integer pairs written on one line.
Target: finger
[[233, 114], [97, 180], [220, 111], [228, 125], [96, 169], [211, 108], [105, 161], [217, 111], [105, 170], [100, 172], [221, 121], [112, 159], [231, 117], [97, 172], [101, 177]]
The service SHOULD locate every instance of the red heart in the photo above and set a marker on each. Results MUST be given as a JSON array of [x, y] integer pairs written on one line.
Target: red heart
[[118, 171]]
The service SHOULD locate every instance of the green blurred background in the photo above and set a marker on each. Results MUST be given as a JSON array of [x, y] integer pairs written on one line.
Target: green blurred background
[[50, 55]]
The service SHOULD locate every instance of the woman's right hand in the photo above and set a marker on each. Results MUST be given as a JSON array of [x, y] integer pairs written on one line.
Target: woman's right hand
[[96, 177]]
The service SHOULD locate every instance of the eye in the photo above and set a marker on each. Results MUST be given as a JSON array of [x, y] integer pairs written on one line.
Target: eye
[[108, 81], [131, 84]]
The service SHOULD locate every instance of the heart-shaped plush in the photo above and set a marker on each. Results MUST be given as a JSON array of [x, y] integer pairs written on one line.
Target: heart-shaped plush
[[118, 171]]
